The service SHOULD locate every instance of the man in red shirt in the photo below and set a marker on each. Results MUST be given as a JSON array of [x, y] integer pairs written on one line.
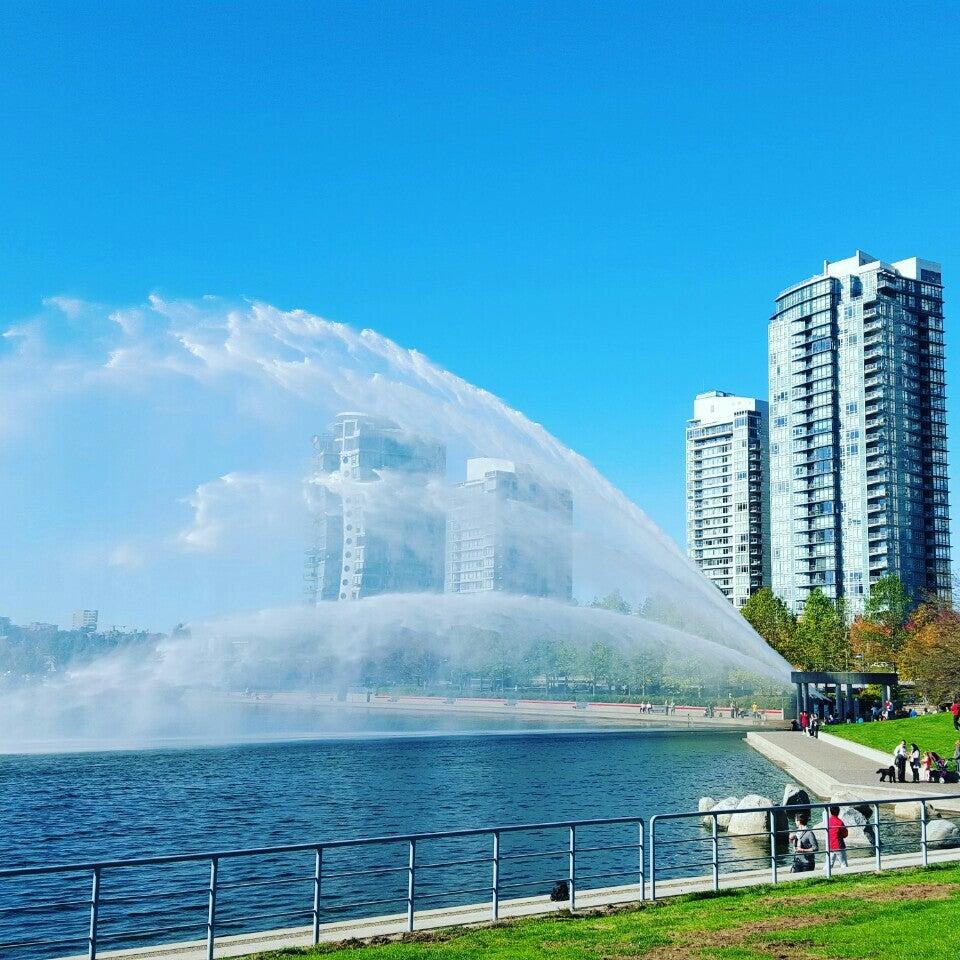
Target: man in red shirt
[[955, 710], [836, 840]]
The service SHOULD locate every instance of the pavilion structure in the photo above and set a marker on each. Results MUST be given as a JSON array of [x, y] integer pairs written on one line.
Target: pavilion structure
[[814, 690]]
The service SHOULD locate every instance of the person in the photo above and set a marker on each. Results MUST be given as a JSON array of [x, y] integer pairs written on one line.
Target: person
[[915, 762], [900, 760], [925, 768], [956, 755], [804, 845], [955, 710], [836, 840], [803, 720]]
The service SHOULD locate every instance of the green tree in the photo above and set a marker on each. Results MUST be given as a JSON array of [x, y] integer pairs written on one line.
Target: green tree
[[612, 601], [821, 641], [881, 633], [769, 616]]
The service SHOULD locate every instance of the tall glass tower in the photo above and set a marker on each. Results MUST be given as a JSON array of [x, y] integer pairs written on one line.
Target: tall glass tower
[[728, 506], [377, 528], [858, 437]]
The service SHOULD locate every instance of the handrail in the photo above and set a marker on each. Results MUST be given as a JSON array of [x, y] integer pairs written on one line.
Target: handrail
[[302, 847]]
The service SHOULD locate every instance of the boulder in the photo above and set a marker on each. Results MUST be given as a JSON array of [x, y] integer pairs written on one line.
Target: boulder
[[794, 796], [728, 803], [859, 821], [911, 811], [943, 833], [706, 804], [757, 822]]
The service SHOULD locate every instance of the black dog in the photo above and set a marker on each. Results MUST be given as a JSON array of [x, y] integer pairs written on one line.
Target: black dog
[[888, 773]]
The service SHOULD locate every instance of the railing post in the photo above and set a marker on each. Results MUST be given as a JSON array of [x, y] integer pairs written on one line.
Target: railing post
[[876, 836], [923, 833], [643, 879], [572, 880], [495, 902], [826, 822], [94, 907], [772, 821], [716, 854], [212, 909], [653, 857], [411, 885], [317, 873]]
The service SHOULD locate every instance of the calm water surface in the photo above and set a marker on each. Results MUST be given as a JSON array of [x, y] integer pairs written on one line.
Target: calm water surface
[[382, 779]]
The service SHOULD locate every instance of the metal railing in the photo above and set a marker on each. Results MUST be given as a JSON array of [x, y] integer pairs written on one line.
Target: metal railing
[[315, 905], [397, 880], [876, 837]]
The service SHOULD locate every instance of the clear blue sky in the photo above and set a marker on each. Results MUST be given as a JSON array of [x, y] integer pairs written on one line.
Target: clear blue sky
[[586, 208]]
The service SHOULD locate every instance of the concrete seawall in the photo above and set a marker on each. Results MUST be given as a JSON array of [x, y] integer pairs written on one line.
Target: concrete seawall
[[561, 711]]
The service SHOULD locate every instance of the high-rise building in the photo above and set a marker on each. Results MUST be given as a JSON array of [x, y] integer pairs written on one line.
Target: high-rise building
[[858, 435], [728, 508], [377, 527], [85, 620], [508, 529]]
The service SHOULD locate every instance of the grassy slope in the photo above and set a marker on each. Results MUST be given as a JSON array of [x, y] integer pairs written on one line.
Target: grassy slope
[[933, 732], [907, 915]]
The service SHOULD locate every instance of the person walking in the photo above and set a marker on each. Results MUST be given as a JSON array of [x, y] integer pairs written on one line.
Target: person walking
[[956, 756], [803, 720], [836, 841], [925, 766], [900, 761], [805, 845], [955, 710], [915, 762]]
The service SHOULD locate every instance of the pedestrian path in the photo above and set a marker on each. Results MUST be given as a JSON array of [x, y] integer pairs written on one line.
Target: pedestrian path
[[828, 767], [479, 913]]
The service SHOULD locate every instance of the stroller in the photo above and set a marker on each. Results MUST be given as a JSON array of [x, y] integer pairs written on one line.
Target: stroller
[[940, 773]]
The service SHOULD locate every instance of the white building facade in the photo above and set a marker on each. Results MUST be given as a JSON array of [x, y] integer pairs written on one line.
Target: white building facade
[[858, 461], [728, 505]]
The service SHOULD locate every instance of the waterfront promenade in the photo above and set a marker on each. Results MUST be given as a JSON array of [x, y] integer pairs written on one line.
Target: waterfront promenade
[[830, 767], [683, 717], [393, 925]]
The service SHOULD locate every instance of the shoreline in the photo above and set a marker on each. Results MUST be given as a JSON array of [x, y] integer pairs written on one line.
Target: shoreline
[[572, 711]]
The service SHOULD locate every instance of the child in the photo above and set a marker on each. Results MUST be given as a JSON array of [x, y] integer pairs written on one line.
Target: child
[[804, 845], [836, 840]]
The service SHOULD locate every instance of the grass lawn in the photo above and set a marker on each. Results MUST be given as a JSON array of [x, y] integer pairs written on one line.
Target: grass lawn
[[903, 915], [932, 732]]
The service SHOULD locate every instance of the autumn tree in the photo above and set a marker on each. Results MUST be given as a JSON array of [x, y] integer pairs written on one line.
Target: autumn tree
[[930, 656], [880, 634]]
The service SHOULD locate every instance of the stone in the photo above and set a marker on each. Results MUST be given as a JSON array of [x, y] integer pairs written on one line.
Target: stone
[[794, 796], [858, 822], [943, 833], [911, 811], [728, 803], [757, 822], [705, 805]]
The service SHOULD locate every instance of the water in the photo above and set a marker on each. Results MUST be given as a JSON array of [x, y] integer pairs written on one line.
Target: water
[[83, 806]]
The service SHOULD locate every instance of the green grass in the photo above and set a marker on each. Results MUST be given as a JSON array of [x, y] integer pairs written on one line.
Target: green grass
[[904, 915], [932, 732]]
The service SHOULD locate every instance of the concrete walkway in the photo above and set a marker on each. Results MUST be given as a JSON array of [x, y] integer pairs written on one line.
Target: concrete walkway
[[829, 765], [479, 913]]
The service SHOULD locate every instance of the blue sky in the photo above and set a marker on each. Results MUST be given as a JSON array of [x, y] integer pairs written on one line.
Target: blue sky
[[585, 208]]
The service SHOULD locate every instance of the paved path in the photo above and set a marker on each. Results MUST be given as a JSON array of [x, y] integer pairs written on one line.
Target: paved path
[[827, 767], [479, 913]]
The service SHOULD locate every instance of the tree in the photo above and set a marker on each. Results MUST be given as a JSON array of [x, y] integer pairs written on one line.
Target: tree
[[612, 601], [931, 653], [821, 641], [880, 634], [769, 616]]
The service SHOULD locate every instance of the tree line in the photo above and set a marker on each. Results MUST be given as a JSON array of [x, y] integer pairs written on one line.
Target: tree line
[[917, 638]]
